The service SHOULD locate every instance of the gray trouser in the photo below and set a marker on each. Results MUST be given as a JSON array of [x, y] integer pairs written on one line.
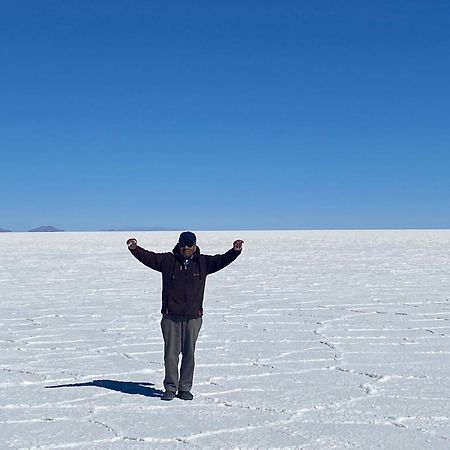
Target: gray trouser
[[180, 336]]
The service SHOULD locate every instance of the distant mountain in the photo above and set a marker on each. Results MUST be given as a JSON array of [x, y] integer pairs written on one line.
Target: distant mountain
[[45, 229], [3, 230]]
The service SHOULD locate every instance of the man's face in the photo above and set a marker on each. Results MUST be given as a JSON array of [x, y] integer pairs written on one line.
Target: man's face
[[186, 250]]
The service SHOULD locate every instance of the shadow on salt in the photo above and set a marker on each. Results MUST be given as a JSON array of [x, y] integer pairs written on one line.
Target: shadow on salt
[[126, 387]]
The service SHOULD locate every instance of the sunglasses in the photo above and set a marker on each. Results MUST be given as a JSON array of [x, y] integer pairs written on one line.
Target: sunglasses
[[186, 244]]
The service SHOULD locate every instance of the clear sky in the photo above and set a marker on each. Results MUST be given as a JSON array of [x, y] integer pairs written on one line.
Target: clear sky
[[224, 114]]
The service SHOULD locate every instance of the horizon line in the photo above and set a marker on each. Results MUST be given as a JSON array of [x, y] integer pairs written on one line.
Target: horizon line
[[6, 231]]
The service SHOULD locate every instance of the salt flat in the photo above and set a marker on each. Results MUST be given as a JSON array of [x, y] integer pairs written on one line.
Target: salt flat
[[311, 340]]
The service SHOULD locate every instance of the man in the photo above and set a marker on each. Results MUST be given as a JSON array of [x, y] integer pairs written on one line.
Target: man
[[184, 272]]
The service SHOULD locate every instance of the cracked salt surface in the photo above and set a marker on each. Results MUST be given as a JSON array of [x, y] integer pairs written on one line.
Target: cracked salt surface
[[316, 340]]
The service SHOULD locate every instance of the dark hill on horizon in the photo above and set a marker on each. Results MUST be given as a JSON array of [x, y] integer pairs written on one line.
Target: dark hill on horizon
[[45, 229], [4, 230]]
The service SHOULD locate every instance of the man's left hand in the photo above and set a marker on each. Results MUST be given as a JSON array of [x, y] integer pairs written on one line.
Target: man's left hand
[[237, 245]]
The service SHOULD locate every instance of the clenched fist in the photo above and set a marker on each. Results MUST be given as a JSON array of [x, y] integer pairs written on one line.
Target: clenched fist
[[132, 243], [237, 245]]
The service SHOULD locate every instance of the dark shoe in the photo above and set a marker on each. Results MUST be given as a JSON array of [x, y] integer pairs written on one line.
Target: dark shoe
[[168, 395], [185, 395]]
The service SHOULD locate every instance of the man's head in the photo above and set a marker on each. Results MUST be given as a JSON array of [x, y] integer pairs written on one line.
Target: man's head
[[186, 244]]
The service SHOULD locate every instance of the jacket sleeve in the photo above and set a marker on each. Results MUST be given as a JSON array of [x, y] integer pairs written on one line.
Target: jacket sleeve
[[150, 259], [218, 262]]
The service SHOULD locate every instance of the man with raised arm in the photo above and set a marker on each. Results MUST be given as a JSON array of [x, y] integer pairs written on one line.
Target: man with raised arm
[[184, 272]]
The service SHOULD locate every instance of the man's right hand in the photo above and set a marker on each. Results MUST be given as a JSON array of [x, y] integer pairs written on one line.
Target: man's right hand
[[132, 243]]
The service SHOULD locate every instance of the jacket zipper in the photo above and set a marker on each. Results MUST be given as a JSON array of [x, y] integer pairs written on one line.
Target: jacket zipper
[[185, 288]]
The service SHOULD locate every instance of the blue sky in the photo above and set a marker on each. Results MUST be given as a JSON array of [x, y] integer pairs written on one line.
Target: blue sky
[[236, 114]]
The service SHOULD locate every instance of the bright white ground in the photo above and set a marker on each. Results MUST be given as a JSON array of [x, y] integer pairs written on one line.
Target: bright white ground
[[311, 339]]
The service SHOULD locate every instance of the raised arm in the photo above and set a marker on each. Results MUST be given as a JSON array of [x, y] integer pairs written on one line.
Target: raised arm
[[150, 259], [217, 262]]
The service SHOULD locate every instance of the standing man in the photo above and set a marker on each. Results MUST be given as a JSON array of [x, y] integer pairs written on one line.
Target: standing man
[[184, 272]]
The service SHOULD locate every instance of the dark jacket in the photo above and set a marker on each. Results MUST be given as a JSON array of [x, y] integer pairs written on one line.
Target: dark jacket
[[183, 289]]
